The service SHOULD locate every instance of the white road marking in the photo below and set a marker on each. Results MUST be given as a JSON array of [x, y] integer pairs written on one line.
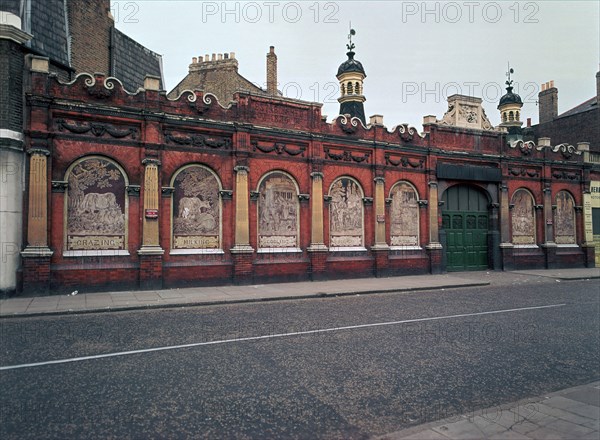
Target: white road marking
[[277, 335]]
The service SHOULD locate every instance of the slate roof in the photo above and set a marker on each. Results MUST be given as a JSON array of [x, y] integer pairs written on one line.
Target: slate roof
[[12, 6], [590, 104], [131, 62], [48, 25], [222, 82]]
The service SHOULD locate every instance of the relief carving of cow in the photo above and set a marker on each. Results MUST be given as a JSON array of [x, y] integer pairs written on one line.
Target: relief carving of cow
[[94, 203], [191, 207]]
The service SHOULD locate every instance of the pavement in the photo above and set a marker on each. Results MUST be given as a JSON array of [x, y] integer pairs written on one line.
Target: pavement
[[569, 414], [198, 296]]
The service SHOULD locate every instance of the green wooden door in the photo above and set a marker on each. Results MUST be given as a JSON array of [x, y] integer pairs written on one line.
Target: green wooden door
[[466, 234], [465, 220]]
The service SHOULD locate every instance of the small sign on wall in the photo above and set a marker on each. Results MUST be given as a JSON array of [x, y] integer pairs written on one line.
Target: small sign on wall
[[380, 218], [151, 213], [549, 222]]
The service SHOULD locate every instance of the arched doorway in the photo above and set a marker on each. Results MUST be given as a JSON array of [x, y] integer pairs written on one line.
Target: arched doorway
[[465, 220]]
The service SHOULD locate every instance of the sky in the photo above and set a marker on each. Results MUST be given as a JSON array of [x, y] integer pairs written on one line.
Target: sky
[[415, 54]]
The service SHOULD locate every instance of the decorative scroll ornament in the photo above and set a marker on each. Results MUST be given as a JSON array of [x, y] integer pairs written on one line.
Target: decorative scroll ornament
[[278, 148], [349, 125], [407, 132], [526, 147], [347, 156], [197, 140], [404, 161], [566, 150], [97, 129]]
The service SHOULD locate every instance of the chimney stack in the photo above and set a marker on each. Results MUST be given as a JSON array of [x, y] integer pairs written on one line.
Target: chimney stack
[[272, 72], [548, 102]]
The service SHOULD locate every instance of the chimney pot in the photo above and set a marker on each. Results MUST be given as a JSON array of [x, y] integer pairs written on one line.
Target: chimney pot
[[529, 122], [214, 57], [200, 59], [226, 56], [232, 55], [220, 56], [194, 60]]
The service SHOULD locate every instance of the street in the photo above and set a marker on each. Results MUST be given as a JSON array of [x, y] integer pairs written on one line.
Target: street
[[348, 367]]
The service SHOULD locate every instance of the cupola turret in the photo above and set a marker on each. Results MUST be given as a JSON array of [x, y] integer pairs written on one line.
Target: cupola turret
[[510, 105], [351, 75]]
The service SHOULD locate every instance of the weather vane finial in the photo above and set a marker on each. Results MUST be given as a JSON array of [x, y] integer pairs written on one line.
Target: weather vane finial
[[508, 73], [350, 45]]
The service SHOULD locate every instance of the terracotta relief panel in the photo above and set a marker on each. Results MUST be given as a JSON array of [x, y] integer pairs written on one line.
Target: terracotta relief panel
[[564, 219], [196, 210], [523, 218], [404, 216], [346, 214], [277, 212], [96, 207]]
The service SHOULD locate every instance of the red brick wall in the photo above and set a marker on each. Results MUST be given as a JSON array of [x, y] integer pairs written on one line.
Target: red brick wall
[[338, 150]]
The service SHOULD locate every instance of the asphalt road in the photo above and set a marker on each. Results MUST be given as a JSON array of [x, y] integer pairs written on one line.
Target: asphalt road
[[439, 354]]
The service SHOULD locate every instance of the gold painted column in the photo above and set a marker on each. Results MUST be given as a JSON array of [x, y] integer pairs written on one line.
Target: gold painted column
[[549, 245], [380, 242], [36, 255], [506, 246], [317, 249], [242, 221], [242, 253], [434, 248], [317, 241], [151, 253], [37, 214], [150, 233]]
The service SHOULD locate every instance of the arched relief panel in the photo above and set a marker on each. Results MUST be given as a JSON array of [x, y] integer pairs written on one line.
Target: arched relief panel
[[404, 213], [564, 219], [278, 212], [523, 218], [346, 214], [196, 211], [96, 208]]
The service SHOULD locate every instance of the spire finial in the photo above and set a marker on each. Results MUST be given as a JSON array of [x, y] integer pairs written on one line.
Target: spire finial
[[351, 45], [508, 73]]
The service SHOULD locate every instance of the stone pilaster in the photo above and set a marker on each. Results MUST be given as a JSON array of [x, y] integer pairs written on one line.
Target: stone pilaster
[[506, 246], [380, 249], [37, 254], [434, 248], [588, 245], [242, 252], [150, 253], [317, 249], [549, 245]]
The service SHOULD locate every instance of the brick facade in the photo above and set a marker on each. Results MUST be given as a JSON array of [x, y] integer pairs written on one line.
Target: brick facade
[[264, 134]]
